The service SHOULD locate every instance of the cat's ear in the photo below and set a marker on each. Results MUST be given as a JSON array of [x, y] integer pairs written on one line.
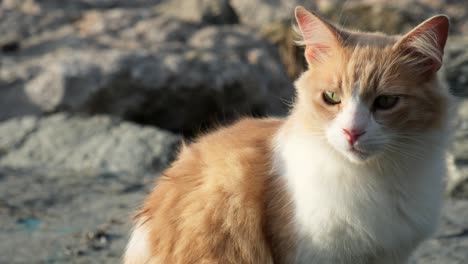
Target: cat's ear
[[423, 47], [320, 37]]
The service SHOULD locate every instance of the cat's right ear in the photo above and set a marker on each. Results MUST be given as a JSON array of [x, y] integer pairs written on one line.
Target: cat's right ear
[[319, 37], [423, 47]]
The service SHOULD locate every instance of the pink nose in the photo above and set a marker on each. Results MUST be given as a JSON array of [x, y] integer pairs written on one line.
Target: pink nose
[[352, 135]]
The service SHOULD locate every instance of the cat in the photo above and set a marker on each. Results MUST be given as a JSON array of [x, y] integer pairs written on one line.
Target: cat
[[354, 174]]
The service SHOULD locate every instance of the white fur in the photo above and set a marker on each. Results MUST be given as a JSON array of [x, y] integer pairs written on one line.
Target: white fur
[[356, 116], [138, 250], [370, 212]]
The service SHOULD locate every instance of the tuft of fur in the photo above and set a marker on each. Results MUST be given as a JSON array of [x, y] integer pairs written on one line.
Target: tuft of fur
[[296, 190]]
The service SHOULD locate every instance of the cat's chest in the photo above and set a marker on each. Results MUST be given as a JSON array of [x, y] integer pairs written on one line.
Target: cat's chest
[[343, 211], [340, 214], [334, 204]]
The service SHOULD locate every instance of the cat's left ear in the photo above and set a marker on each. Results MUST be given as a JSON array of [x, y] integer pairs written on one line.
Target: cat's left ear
[[423, 47], [320, 37]]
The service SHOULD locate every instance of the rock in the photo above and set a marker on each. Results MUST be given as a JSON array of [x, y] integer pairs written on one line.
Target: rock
[[147, 68], [456, 65], [261, 13], [60, 216], [382, 18], [450, 243], [99, 144], [69, 185], [284, 37], [458, 182], [204, 11]]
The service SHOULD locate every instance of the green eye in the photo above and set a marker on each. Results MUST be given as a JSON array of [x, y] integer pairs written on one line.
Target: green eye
[[331, 98], [384, 102]]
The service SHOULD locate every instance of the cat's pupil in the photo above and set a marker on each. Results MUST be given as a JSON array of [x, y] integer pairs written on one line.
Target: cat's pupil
[[384, 102], [331, 98]]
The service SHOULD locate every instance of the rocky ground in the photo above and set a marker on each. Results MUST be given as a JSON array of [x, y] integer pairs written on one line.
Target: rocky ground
[[95, 96]]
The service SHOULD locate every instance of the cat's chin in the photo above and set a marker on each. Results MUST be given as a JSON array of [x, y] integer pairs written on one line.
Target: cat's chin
[[357, 156]]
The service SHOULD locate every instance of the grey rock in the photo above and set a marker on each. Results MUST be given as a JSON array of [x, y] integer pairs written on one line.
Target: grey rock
[[99, 144], [69, 185], [25, 18], [13, 133], [456, 65], [204, 11], [458, 182], [451, 241], [145, 67], [62, 216], [371, 15], [261, 13]]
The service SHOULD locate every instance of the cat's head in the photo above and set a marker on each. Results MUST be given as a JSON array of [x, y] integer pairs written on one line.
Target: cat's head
[[367, 93]]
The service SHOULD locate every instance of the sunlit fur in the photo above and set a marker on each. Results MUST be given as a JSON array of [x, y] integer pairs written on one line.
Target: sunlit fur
[[295, 190]]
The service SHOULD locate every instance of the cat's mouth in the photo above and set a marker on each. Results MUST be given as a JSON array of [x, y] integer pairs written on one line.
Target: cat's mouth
[[356, 150], [357, 155]]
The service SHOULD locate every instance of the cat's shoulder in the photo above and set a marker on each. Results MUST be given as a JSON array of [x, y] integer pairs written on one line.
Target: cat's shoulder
[[244, 132], [235, 151], [245, 128], [250, 133], [208, 205]]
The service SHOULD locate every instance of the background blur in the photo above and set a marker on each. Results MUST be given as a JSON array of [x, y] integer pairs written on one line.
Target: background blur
[[95, 96]]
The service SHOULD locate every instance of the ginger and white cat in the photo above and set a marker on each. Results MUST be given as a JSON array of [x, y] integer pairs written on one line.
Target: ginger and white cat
[[353, 175]]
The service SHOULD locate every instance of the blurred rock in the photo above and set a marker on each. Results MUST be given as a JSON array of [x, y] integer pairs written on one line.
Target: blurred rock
[[450, 242], [458, 183], [69, 185], [63, 216], [204, 11], [390, 19], [283, 36], [147, 68], [258, 13], [93, 145], [456, 65]]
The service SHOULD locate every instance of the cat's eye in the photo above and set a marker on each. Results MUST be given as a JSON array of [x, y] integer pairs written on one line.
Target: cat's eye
[[384, 102], [331, 98]]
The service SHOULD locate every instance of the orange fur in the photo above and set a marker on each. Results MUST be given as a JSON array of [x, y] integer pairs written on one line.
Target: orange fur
[[209, 206]]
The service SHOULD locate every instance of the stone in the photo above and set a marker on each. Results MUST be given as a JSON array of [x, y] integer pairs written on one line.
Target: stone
[[98, 144], [70, 184], [450, 243], [147, 68], [258, 14], [214, 12], [456, 65], [457, 186]]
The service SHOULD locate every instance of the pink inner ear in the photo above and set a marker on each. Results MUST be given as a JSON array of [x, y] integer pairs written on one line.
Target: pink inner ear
[[303, 18], [427, 42], [315, 51], [438, 26], [318, 36]]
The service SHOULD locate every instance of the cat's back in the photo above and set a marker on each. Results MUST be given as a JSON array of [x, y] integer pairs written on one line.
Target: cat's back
[[209, 206]]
